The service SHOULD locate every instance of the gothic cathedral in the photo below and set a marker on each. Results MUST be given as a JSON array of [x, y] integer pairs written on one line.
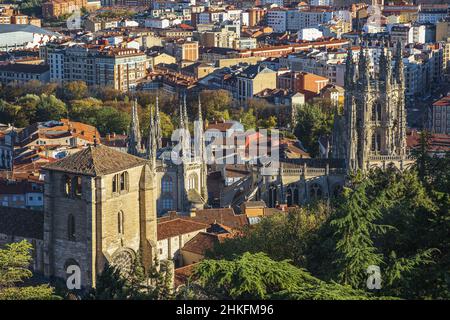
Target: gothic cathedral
[[372, 130]]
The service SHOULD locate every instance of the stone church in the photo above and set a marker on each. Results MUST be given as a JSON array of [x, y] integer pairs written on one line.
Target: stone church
[[371, 132], [101, 204], [179, 187]]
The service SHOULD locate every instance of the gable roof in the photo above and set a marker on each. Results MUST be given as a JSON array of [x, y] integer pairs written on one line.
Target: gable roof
[[96, 160], [201, 243], [176, 227], [224, 216]]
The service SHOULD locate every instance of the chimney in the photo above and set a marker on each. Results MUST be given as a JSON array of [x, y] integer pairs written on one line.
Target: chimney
[[193, 212], [172, 215]]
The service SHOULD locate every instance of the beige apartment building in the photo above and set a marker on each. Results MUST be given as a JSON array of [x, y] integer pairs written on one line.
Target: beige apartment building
[[183, 50], [56, 8], [253, 80], [119, 68]]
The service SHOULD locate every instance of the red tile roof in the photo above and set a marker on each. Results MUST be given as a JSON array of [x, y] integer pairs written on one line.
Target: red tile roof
[[176, 227], [201, 243], [443, 102]]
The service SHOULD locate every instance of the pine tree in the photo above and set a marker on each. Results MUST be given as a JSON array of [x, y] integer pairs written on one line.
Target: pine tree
[[15, 261], [110, 285], [354, 228]]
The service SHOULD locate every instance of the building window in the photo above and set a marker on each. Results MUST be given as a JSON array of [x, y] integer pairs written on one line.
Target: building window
[[120, 224], [120, 182], [167, 203], [193, 182], [71, 227], [67, 185], [123, 181], [114, 184], [167, 184], [77, 186], [315, 191], [376, 112]]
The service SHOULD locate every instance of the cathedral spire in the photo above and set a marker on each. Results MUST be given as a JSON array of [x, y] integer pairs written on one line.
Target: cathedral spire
[[349, 70], [186, 120], [200, 140], [158, 132], [152, 144], [363, 69], [385, 67], [181, 116], [398, 71], [134, 134]]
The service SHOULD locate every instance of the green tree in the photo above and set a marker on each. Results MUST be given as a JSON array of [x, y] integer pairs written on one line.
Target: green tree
[[167, 126], [256, 276], [248, 119], [281, 236], [15, 261], [109, 120], [215, 104], [110, 285], [355, 225], [50, 108], [268, 123], [312, 123], [75, 90]]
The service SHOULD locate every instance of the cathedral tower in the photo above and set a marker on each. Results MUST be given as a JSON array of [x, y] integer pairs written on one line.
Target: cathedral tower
[[373, 129], [99, 208]]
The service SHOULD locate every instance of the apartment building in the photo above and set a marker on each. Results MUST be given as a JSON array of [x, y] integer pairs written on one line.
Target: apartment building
[[120, 68], [253, 80], [56, 8], [301, 82], [276, 19], [255, 16], [439, 116], [183, 50], [432, 13], [17, 72], [443, 29]]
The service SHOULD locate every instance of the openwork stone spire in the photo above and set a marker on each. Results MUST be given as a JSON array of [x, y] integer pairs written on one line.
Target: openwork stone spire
[[134, 134], [152, 144], [158, 132]]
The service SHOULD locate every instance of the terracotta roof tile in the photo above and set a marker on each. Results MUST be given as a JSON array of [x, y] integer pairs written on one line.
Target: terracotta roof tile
[[176, 227], [201, 243], [96, 161]]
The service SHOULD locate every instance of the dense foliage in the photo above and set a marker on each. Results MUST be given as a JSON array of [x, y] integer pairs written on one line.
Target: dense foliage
[[138, 284], [15, 261], [313, 121], [394, 220]]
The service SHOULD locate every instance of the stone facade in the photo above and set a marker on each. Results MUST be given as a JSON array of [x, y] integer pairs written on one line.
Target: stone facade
[[370, 133], [94, 219]]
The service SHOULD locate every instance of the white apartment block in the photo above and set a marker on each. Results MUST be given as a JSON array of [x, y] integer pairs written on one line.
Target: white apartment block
[[309, 34], [279, 3], [439, 116], [297, 19], [56, 63], [431, 16], [321, 2]]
